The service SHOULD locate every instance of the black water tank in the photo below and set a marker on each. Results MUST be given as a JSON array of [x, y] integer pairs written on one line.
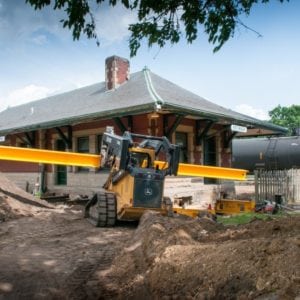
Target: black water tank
[[266, 153]]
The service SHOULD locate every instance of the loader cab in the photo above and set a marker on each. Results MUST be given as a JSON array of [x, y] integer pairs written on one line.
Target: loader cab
[[147, 181], [142, 158]]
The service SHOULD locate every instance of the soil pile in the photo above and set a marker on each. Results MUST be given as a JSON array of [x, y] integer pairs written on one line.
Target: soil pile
[[58, 255], [16, 203], [180, 258]]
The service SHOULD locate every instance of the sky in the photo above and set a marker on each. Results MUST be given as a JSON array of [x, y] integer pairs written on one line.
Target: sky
[[250, 74]]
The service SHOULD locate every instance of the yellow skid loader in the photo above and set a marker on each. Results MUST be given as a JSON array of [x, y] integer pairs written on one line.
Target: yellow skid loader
[[138, 166]]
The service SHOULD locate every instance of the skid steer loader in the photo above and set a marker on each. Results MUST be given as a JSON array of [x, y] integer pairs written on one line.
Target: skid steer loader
[[136, 179], [138, 166]]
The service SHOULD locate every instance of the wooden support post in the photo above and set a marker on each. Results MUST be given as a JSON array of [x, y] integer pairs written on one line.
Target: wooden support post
[[130, 123], [165, 124]]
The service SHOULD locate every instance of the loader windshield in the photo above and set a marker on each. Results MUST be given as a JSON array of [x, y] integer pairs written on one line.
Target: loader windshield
[[140, 160]]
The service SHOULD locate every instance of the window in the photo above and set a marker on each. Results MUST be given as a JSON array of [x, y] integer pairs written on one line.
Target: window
[[140, 160], [83, 147], [210, 156], [61, 171], [182, 141]]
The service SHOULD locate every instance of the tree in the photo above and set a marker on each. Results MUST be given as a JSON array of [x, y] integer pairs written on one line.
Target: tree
[[160, 21], [288, 117]]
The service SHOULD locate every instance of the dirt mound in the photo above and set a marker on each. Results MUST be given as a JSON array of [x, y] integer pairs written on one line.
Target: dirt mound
[[181, 258], [15, 202]]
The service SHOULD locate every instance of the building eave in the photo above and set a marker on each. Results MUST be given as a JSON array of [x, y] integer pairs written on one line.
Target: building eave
[[145, 108], [217, 116]]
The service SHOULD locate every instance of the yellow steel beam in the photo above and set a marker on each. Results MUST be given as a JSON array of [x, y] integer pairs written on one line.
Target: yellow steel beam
[[49, 157], [212, 172], [91, 160], [207, 171]]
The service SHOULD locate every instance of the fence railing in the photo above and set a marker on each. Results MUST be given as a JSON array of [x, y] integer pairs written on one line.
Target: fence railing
[[278, 184]]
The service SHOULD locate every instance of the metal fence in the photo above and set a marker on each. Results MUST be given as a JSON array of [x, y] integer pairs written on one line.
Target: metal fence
[[278, 184]]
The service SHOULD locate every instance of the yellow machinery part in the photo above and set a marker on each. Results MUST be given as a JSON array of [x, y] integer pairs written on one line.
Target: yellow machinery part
[[233, 206], [135, 213], [90, 160], [207, 171], [192, 212], [49, 157]]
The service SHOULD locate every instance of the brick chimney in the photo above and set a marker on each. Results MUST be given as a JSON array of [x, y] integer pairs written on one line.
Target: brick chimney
[[116, 71]]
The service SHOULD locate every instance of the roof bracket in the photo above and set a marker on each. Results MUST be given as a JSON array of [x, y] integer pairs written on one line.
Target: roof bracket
[[120, 124], [22, 139], [169, 131], [30, 138], [66, 138], [228, 136], [202, 134]]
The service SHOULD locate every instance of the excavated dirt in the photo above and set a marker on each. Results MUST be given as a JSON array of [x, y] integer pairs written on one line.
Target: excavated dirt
[[16, 203], [181, 258], [51, 252]]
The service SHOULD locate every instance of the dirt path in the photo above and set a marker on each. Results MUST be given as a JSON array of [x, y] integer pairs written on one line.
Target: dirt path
[[54, 255]]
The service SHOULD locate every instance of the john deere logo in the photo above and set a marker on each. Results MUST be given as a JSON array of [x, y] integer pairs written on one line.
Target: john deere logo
[[148, 191]]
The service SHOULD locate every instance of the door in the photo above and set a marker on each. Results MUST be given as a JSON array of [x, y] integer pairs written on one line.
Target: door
[[61, 171], [210, 156], [181, 139]]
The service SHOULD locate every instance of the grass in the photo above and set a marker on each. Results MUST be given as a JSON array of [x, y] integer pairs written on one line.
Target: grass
[[245, 218]]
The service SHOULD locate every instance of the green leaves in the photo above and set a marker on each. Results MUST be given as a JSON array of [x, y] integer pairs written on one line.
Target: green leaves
[[160, 22], [38, 4], [288, 117], [155, 32]]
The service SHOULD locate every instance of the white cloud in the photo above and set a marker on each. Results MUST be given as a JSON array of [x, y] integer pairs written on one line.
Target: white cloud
[[34, 26], [27, 22], [40, 40], [26, 94], [248, 110], [112, 23]]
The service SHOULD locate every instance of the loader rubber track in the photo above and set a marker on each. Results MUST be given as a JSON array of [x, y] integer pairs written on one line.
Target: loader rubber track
[[101, 210]]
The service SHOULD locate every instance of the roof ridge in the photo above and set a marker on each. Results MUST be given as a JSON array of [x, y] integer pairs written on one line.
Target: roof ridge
[[154, 95]]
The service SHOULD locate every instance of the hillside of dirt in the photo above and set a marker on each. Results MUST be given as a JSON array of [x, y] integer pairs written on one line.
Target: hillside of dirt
[[181, 258], [51, 252], [15, 202]]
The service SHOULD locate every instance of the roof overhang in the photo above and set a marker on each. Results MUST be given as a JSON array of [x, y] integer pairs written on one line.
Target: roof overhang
[[255, 127], [104, 115]]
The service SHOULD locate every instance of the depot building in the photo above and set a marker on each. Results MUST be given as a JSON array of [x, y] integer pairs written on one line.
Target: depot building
[[141, 102]]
